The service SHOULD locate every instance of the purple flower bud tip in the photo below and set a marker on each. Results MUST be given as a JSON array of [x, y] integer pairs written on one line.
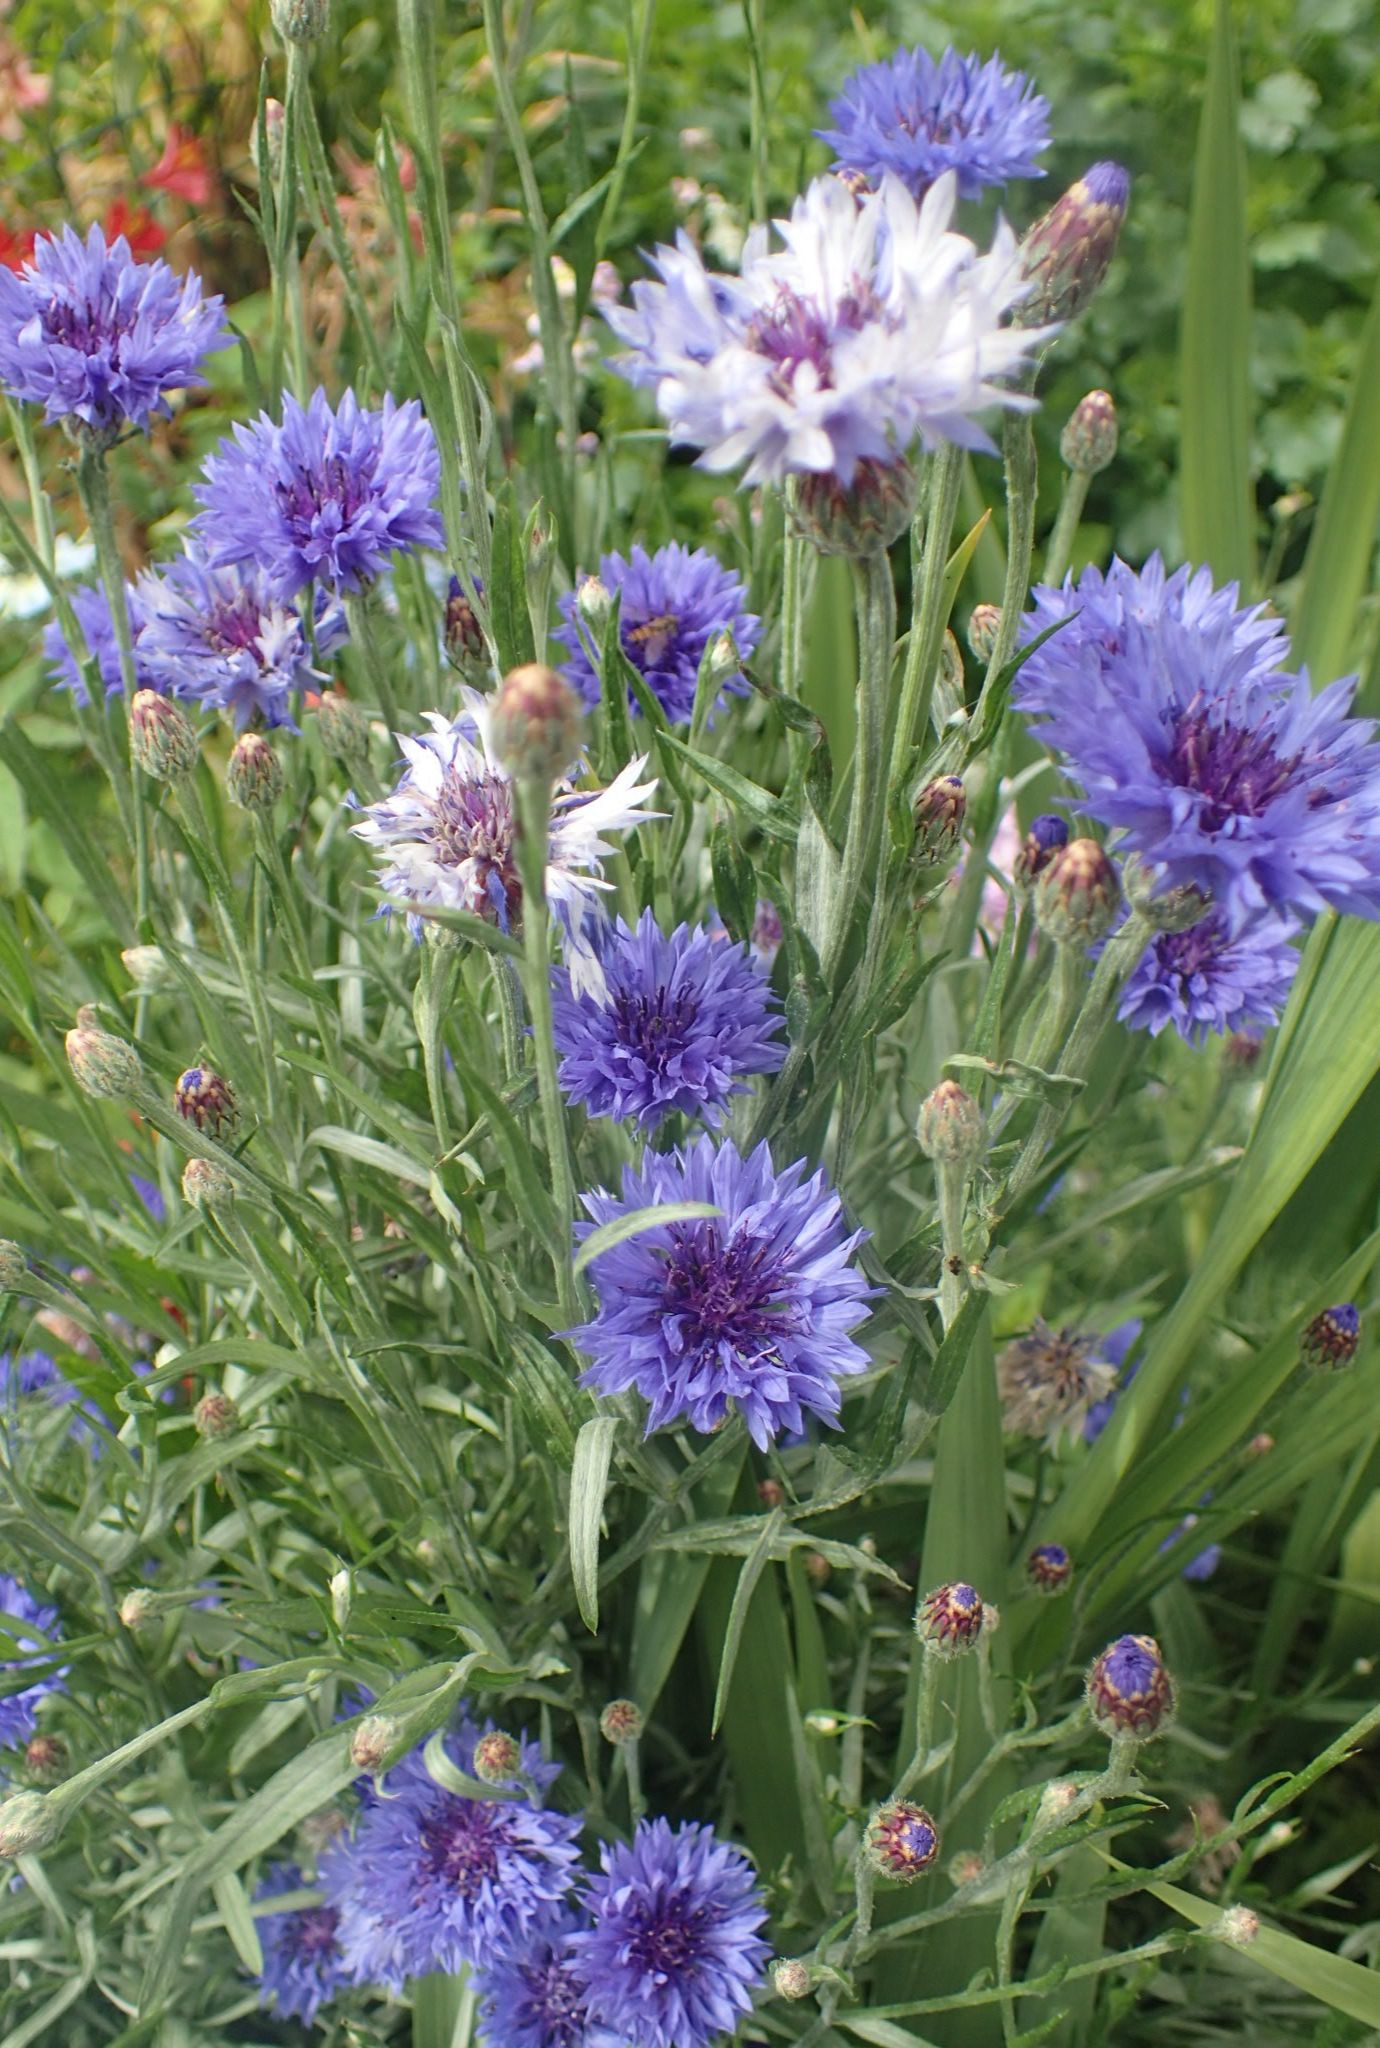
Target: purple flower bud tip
[[1047, 836], [902, 1841], [940, 810], [207, 1100], [1077, 894], [1049, 1568], [1333, 1337], [1129, 1690], [1107, 184], [951, 1619]]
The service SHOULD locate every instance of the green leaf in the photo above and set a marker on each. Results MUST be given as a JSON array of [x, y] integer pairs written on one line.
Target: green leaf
[[1216, 505], [634, 1222], [754, 1564], [507, 587], [589, 1476], [439, 2015], [1336, 570], [386, 1159], [769, 812], [1346, 1986]]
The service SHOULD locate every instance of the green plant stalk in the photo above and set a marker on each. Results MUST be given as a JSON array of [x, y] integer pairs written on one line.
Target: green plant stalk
[[435, 982], [1022, 488], [93, 485], [508, 989], [755, 24], [876, 612], [1068, 519], [317, 184], [360, 618], [288, 318], [533, 840], [928, 618], [951, 1185], [639, 35], [197, 827], [926, 1699]]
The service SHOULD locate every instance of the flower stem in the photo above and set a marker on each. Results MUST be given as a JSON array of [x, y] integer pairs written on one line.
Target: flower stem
[[1022, 488], [1066, 524], [93, 484], [359, 614], [929, 615], [876, 609], [533, 839]]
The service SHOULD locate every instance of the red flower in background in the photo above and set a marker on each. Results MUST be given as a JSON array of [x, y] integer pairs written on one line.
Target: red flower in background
[[182, 170], [16, 246], [136, 224]]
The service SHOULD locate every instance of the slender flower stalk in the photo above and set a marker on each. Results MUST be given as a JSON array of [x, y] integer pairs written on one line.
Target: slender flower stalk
[[876, 614], [93, 483], [531, 849]]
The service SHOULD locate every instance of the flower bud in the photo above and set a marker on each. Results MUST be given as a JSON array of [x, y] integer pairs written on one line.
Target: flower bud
[[864, 517], [342, 728], [161, 739], [541, 544], [536, 723], [1069, 250], [767, 932], [45, 1758], [949, 1620], [939, 812], [275, 115], [1046, 837], [1055, 1802], [1129, 1690], [818, 1569], [29, 1822], [1088, 442], [594, 603], [137, 1609], [984, 624], [301, 21], [1049, 1568], [465, 646], [951, 1127], [146, 966], [902, 1841], [965, 1867], [254, 774], [497, 1757], [13, 1266], [723, 661], [791, 1977], [342, 1592], [204, 1098], [1332, 1338], [1077, 896], [215, 1415], [102, 1065], [771, 1493], [321, 1828], [374, 1739], [620, 1722], [207, 1185], [1241, 1053], [1260, 1446], [1238, 1926]]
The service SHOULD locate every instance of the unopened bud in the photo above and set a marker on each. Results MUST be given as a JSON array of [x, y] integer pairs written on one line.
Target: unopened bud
[[205, 1099], [29, 1823], [940, 809], [275, 115], [1047, 836], [45, 1758], [821, 1722], [817, 1568], [375, 1738], [767, 932], [207, 1185], [497, 1758], [1069, 250], [723, 662], [146, 966], [137, 1609], [791, 1978], [541, 545], [620, 1722], [1129, 1690], [342, 728], [161, 738], [858, 519], [1049, 1568], [301, 21], [594, 604], [1055, 1802], [536, 723], [902, 1841], [984, 624], [465, 647], [215, 1415], [1088, 442], [102, 1065], [951, 1127], [254, 774], [1260, 1446], [771, 1493], [949, 1620], [342, 1591], [1077, 897], [965, 1867], [13, 1265], [1332, 1338], [1238, 1926]]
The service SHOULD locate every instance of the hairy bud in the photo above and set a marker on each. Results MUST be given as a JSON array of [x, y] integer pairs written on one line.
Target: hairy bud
[[536, 723], [254, 774], [1129, 1690], [620, 1722], [1047, 836], [45, 1758], [215, 1415], [1077, 896], [984, 624], [1332, 1338], [940, 809], [497, 1757], [161, 738], [1088, 442], [137, 1609], [374, 1739], [301, 21], [13, 1265], [864, 517], [1238, 1926], [594, 603], [792, 1978], [949, 1620], [965, 1867], [951, 1127], [204, 1098], [102, 1065], [207, 1185], [1049, 1568], [343, 728], [902, 1841], [1069, 250], [29, 1822], [465, 647]]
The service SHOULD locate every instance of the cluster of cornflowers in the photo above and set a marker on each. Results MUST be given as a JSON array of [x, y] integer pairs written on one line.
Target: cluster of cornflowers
[[464, 1866]]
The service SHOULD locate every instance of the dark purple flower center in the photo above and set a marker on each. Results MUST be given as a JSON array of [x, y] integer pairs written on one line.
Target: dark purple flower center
[[1194, 951], [553, 2001], [473, 820], [1234, 767], [795, 331], [670, 1940], [234, 625], [460, 1845], [655, 1025], [313, 1933], [647, 643], [346, 486], [91, 329], [726, 1293]]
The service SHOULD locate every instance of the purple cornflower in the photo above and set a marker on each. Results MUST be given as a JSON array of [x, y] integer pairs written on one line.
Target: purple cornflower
[[682, 1021], [673, 1951], [751, 1308], [917, 119], [1050, 1381], [93, 616], [18, 1607], [221, 637], [674, 603], [35, 1372], [325, 497], [873, 326], [432, 1879], [532, 1997], [1168, 705], [1210, 978], [1114, 1349], [91, 335], [304, 1967]]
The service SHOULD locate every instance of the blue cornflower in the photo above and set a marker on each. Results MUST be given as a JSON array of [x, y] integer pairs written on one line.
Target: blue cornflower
[[1114, 1348], [327, 496], [917, 119], [35, 1372], [91, 335], [674, 603], [1168, 705], [432, 1879], [750, 1308], [1210, 978], [684, 1018], [18, 1607], [673, 1949], [93, 616], [532, 1996], [304, 1967], [221, 636]]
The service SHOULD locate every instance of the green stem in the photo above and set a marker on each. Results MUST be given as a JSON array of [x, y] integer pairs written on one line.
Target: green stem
[[1059, 552], [876, 609], [951, 1186], [929, 614], [925, 1702], [508, 989], [434, 984], [755, 22], [1022, 487], [93, 484], [533, 837], [360, 618]]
